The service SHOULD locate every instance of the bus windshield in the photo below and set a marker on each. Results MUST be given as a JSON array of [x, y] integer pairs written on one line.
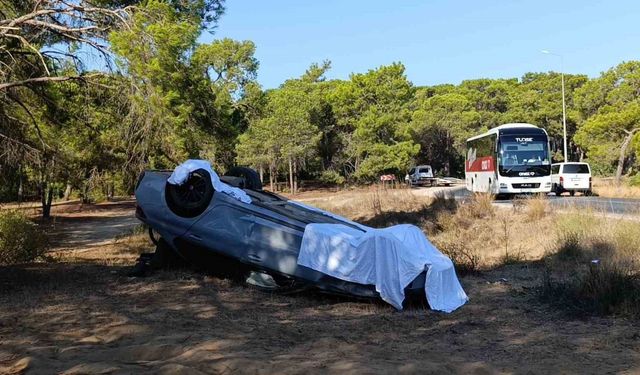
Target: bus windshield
[[526, 155]]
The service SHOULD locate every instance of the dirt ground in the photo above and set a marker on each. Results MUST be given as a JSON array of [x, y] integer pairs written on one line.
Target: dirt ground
[[82, 314]]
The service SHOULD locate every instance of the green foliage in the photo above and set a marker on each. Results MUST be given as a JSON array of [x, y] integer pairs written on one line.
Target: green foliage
[[610, 106], [175, 98], [21, 240], [373, 109], [332, 177]]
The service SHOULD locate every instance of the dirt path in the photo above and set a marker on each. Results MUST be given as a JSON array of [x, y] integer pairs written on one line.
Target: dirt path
[[92, 226]]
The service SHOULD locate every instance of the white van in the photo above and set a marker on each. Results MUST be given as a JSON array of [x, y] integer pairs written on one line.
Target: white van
[[421, 175], [571, 177]]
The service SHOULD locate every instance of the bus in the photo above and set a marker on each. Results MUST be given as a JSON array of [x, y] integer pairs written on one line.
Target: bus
[[509, 159]]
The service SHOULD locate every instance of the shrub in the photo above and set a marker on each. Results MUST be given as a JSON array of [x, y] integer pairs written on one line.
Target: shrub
[[481, 206], [594, 268], [601, 288], [570, 246], [332, 177], [635, 180], [537, 208], [463, 256], [21, 240]]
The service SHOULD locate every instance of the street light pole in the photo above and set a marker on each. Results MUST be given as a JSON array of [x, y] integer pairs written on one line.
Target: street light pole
[[564, 106]]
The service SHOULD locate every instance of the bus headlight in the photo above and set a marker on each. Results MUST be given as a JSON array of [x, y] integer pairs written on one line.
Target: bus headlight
[[547, 184], [503, 186]]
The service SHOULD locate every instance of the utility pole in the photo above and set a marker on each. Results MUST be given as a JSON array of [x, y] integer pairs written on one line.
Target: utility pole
[[564, 106]]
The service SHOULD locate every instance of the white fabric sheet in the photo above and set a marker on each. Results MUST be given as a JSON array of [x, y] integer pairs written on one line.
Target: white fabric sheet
[[181, 173], [389, 258]]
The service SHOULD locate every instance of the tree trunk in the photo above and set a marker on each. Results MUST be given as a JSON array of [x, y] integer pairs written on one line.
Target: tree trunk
[[67, 192], [271, 177], [623, 154], [46, 195], [20, 187], [295, 177], [261, 173], [291, 176]]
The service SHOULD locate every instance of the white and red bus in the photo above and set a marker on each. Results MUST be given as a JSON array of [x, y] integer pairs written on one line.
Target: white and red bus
[[509, 159]]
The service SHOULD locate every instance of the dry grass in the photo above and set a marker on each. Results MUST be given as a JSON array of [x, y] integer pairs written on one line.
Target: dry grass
[[480, 206], [375, 205], [84, 315], [595, 266], [608, 188], [124, 251], [537, 207]]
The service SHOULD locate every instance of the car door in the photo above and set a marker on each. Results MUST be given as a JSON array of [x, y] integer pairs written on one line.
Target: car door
[[577, 176]]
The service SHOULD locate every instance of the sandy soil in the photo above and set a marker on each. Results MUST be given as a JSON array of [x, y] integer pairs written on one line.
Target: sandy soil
[[82, 314]]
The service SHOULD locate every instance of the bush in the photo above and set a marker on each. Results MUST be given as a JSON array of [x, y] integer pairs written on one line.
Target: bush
[[21, 240], [480, 206], [463, 255], [537, 208], [332, 177], [595, 267], [635, 180]]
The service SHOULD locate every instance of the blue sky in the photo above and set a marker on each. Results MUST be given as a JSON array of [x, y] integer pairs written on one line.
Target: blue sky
[[438, 41]]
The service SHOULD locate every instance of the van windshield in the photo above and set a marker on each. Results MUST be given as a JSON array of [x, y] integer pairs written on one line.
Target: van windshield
[[575, 168], [424, 170], [526, 155]]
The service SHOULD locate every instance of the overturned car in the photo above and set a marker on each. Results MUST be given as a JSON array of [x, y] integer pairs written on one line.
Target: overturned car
[[288, 245]]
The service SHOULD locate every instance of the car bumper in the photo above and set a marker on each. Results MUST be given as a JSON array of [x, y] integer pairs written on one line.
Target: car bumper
[[538, 186]]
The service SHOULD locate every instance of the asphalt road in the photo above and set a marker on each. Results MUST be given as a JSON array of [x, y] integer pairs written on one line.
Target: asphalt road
[[617, 206]]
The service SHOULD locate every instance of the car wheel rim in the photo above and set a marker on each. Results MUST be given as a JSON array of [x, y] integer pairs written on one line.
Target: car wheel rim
[[194, 190]]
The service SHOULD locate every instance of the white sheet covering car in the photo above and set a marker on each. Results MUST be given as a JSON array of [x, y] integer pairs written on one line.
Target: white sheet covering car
[[388, 258]]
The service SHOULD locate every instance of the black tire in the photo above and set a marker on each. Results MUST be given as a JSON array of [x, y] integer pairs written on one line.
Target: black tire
[[572, 193], [558, 190], [251, 178], [192, 197]]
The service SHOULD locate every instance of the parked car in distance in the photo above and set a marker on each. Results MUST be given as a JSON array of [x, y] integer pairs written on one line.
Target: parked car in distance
[[421, 175], [571, 177]]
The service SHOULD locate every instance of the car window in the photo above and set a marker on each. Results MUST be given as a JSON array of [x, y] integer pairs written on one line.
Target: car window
[[424, 170], [555, 169], [575, 168], [412, 170]]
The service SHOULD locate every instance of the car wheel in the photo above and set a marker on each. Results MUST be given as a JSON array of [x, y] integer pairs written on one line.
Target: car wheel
[[251, 177], [192, 197], [558, 190]]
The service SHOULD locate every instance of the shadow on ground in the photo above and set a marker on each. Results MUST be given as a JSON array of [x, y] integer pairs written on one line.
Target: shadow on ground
[[88, 318]]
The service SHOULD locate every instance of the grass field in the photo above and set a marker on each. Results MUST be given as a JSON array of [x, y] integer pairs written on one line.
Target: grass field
[[606, 187]]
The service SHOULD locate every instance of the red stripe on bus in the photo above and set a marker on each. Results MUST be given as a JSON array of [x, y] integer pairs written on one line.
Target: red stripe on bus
[[483, 164]]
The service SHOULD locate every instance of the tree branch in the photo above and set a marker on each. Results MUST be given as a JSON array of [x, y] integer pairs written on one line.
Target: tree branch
[[38, 80]]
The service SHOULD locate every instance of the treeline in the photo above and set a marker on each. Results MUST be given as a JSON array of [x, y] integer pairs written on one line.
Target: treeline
[[379, 122], [65, 128]]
